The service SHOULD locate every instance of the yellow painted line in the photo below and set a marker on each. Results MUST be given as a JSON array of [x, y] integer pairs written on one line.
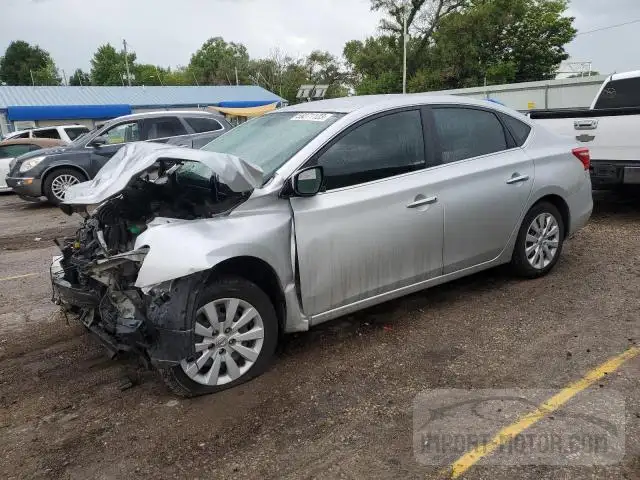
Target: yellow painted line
[[19, 276], [470, 458]]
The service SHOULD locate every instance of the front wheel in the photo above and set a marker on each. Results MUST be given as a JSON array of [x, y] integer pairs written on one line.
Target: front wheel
[[57, 182], [235, 332], [539, 241]]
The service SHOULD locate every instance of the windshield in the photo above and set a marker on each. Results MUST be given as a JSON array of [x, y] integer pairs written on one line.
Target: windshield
[[269, 141]]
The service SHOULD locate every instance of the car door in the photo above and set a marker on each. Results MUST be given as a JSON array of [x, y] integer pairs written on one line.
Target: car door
[[487, 184], [115, 137], [376, 228]]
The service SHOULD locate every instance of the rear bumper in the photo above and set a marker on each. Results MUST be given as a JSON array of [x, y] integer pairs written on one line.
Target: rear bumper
[[25, 186], [580, 206], [607, 174]]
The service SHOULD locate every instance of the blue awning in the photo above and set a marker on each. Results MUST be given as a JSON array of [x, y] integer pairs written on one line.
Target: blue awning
[[67, 112], [245, 104]]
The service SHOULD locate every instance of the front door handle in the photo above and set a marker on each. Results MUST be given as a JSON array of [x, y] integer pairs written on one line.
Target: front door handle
[[517, 179], [422, 201]]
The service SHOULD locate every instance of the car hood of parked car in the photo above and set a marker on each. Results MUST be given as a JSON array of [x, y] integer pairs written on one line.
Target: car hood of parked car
[[137, 159]]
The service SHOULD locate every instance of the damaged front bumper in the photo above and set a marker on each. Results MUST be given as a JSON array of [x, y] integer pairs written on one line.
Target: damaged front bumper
[[160, 335]]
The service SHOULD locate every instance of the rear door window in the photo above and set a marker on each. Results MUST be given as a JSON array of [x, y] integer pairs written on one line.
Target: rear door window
[[518, 129], [163, 127], [47, 133], [620, 94], [467, 133], [203, 124]]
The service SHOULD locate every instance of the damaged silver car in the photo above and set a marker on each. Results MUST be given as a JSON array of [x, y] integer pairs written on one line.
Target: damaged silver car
[[199, 260]]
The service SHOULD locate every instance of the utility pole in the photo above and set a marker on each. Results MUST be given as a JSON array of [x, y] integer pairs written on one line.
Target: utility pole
[[33, 83], [126, 61], [237, 83], [404, 47], [64, 76], [159, 77]]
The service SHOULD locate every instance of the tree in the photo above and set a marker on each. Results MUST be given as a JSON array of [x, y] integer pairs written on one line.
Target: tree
[[147, 74], [108, 66], [423, 16], [374, 65], [24, 64], [455, 44], [503, 41], [80, 78], [179, 76], [217, 62], [322, 68]]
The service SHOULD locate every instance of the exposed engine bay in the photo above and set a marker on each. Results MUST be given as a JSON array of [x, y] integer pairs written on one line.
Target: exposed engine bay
[[96, 274]]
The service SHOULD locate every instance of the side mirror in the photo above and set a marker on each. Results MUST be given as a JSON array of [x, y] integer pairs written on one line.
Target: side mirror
[[98, 142], [308, 182]]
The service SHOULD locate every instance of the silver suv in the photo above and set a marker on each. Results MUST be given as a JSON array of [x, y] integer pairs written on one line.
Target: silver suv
[[200, 260]]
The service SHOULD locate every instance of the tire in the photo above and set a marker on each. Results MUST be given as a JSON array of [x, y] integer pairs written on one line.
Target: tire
[[189, 379], [525, 261], [56, 180]]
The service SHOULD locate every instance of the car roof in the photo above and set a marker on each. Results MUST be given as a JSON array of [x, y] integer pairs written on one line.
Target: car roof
[[164, 113], [41, 142], [352, 104]]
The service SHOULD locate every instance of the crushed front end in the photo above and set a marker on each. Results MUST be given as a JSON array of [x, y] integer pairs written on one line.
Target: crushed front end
[[95, 275]]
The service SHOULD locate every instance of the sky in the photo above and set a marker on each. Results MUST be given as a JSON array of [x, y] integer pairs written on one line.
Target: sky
[[167, 32]]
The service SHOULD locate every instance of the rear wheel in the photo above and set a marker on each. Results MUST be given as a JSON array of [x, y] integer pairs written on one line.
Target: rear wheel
[[235, 332], [539, 241], [57, 182]]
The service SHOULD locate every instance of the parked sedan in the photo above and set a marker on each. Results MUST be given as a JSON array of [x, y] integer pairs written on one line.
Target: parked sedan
[[199, 260], [11, 149], [50, 172]]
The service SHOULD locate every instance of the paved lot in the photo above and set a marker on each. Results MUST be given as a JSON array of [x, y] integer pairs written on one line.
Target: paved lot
[[338, 401]]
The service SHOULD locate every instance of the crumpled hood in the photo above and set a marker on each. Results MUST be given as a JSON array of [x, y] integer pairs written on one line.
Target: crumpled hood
[[134, 158]]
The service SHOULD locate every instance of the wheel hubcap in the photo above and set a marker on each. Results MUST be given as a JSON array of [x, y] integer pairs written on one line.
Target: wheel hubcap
[[60, 184], [543, 240], [229, 334]]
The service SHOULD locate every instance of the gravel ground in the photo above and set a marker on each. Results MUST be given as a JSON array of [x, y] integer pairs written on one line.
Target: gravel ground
[[338, 401]]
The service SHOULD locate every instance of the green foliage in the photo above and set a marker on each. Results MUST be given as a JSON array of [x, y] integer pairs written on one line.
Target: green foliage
[[456, 44], [80, 78], [24, 64], [177, 77], [108, 66], [375, 64], [147, 74], [217, 61]]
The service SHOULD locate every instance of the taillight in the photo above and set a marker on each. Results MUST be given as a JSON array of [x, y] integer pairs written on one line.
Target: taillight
[[582, 154]]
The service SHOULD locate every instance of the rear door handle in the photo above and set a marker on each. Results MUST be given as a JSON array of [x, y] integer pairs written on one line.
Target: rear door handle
[[422, 201], [517, 179], [585, 124]]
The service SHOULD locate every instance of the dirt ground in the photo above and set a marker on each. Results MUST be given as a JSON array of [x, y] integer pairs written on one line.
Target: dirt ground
[[338, 401]]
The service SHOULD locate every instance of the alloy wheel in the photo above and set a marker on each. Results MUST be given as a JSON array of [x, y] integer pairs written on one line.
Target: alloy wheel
[[229, 334], [543, 240], [61, 183]]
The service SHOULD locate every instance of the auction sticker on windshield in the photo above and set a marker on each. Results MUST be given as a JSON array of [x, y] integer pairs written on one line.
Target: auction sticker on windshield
[[312, 117]]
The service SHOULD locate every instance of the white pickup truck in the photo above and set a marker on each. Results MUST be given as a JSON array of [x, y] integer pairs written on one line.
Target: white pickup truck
[[610, 128]]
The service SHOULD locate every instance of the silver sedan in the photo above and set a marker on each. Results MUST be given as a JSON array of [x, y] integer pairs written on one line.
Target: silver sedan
[[308, 213]]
